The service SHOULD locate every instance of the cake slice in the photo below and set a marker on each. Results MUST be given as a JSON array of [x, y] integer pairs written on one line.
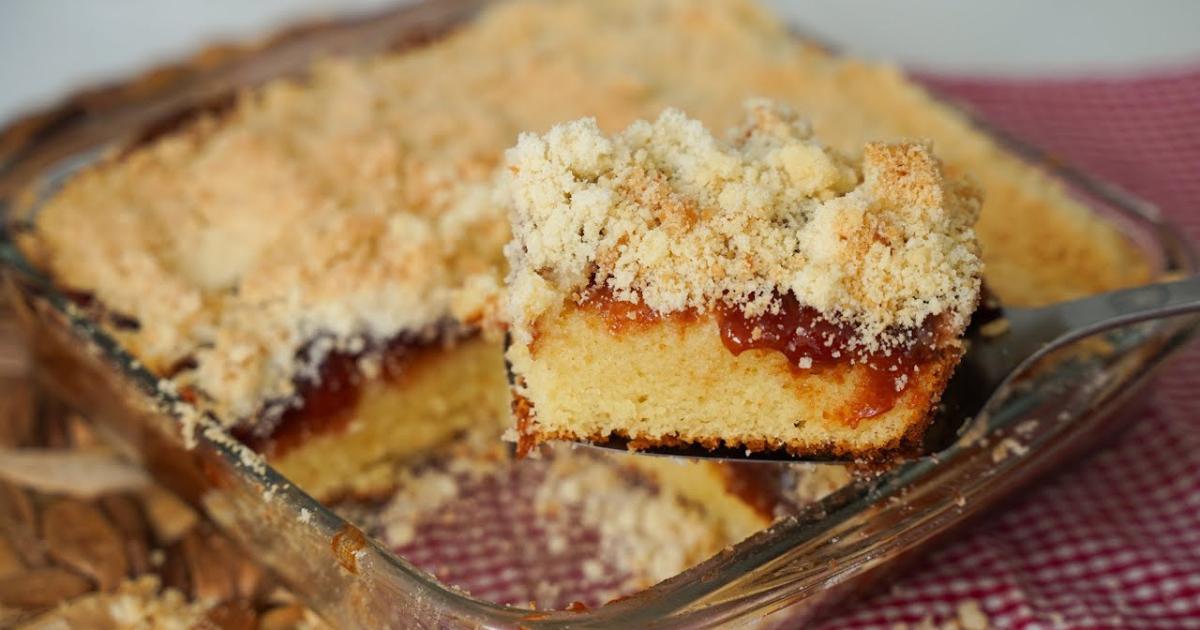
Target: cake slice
[[761, 292]]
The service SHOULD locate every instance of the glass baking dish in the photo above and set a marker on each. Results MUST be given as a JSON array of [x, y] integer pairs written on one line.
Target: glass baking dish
[[796, 569]]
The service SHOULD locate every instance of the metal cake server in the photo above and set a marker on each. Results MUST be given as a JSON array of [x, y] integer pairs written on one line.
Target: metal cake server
[[994, 361]]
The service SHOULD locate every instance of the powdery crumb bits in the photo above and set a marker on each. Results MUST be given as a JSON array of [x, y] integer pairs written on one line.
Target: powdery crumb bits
[[646, 535], [602, 530], [418, 495], [971, 616], [968, 616], [1008, 447], [665, 214]]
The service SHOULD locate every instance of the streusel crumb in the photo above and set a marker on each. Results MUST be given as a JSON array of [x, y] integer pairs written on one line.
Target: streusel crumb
[[353, 203], [666, 214]]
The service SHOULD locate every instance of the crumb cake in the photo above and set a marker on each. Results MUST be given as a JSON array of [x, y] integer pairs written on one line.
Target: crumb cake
[[760, 292], [317, 264]]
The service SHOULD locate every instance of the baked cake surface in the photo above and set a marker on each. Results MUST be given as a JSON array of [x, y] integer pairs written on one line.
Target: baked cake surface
[[336, 213], [659, 275]]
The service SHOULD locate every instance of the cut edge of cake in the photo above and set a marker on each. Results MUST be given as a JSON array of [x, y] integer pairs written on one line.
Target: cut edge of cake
[[762, 292]]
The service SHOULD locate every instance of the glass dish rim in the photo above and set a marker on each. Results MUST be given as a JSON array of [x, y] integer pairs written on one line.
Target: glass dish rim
[[671, 596]]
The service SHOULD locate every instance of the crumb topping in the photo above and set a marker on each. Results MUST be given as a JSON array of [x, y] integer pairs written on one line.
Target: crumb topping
[[251, 247], [356, 201], [665, 214]]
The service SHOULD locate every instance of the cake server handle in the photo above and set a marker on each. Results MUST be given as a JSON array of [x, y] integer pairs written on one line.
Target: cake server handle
[[1035, 332]]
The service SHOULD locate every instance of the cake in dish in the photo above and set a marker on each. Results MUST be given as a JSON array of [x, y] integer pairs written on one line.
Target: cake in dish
[[761, 292], [263, 259]]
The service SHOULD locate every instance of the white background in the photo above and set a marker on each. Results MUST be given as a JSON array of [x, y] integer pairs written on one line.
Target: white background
[[49, 47]]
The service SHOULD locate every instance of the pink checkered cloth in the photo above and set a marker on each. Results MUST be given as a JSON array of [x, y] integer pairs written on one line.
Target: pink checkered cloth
[[1115, 541]]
